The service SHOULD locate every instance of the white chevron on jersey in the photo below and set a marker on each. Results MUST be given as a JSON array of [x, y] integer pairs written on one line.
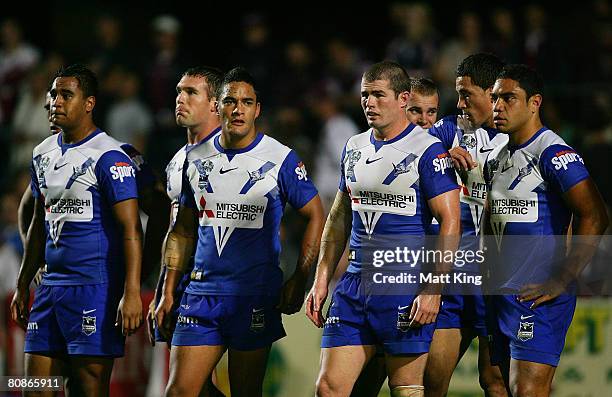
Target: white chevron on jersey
[[65, 180], [231, 194], [478, 144], [514, 179], [381, 182]]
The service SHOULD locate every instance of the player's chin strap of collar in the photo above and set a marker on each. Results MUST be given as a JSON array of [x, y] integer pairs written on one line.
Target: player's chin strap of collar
[[408, 391]]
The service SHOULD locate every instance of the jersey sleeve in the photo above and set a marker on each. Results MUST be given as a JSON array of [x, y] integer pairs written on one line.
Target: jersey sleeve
[[145, 177], [562, 167], [186, 198], [295, 185], [445, 130], [34, 181], [436, 171], [342, 183], [116, 176]]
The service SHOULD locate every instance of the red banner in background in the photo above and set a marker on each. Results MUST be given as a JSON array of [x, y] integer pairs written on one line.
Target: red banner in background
[[142, 372]]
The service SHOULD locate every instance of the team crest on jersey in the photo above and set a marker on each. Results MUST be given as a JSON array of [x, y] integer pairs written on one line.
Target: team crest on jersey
[[89, 325], [525, 331], [523, 172], [468, 140], [402, 167], [257, 175], [79, 171], [258, 320], [204, 169], [352, 157]]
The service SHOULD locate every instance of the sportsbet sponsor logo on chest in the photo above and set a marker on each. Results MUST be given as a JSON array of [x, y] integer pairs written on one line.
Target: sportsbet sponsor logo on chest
[[122, 170]]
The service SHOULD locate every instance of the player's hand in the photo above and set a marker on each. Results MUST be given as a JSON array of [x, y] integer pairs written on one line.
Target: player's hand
[[163, 316], [150, 322], [315, 302], [424, 310], [20, 307], [129, 313], [292, 294], [541, 293], [462, 160]]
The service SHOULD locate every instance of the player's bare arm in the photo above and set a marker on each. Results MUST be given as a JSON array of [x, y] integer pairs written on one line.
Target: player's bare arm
[[590, 222], [129, 312], [333, 243], [445, 208], [155, 203], [292, 294], [179, 246], [32, 258], [25, 212]]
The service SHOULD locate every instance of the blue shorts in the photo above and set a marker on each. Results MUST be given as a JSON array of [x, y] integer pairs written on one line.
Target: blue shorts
[[178, 295], [530, 335], [75, 320], [238, 322], [463, 311], [355, 318]]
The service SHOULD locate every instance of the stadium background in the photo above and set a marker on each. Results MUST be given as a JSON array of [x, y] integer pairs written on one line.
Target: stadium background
[[307, 60]]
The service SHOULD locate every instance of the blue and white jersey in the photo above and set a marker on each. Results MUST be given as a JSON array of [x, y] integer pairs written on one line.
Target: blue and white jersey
[[526, 184], [240, 196], [389, 183], [174, 174], [455, 131], [78, 184]]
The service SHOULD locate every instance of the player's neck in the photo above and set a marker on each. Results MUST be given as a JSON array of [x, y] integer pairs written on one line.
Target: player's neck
[[391, 131], [235, 141], [195, 135], [70, 136], [525, 133]]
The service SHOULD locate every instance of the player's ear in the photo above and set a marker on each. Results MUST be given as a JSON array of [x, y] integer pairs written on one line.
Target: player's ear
[[403, 98], [90, 103], [213, 105], [257, 109], [534, 103], [216, 107]]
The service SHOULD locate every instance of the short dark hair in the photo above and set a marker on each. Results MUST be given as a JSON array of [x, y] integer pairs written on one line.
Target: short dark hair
[[482, 68], [423, 86], [212, 75], [239, 74], [399, 81], [529, 79], [86, 78]]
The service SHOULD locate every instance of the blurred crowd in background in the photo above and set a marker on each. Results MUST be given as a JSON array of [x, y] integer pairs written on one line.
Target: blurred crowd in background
[[307, 63]]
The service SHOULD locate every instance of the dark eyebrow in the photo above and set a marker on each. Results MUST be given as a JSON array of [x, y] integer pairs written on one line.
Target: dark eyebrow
[[504, 95], [65, 91]]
